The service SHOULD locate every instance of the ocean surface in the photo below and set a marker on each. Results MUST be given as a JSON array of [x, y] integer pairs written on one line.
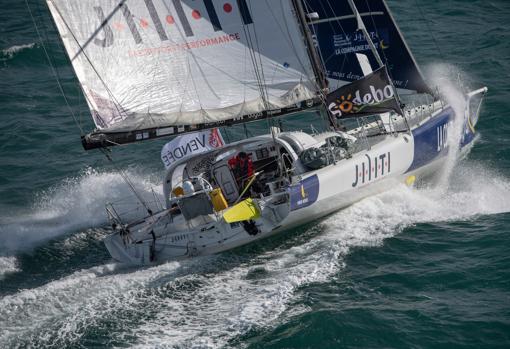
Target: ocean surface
[[411, 268]]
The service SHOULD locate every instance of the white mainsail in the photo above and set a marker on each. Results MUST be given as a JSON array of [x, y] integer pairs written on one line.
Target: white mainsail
[[157, 63]]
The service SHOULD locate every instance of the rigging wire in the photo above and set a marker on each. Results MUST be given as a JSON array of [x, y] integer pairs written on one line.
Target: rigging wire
[[82, 50], [319, 64], [53, 69], [253, 58], [258, 71], [330, 118], [127, 180], [429, 29], [345, 57], [378, 36], [287, 36], [57, 77]]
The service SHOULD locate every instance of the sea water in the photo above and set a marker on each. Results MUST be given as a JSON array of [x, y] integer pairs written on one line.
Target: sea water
[[423, 267]]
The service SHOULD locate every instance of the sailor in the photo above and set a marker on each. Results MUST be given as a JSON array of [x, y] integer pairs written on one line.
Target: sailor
[[242, 166]]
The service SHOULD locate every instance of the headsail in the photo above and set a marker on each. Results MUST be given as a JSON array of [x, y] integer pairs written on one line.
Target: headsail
[[338, 41], [183, 64]]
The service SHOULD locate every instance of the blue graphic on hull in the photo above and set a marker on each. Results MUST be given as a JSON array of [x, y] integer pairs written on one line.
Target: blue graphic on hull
[[431, 139], [305, 193]]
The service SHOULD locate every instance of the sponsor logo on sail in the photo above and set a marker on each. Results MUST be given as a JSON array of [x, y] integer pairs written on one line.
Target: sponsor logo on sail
[[355, 42], [137, 21], [215, 139], [351, 104]]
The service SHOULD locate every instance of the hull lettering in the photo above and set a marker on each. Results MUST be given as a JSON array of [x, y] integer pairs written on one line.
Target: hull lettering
[[372, 168]]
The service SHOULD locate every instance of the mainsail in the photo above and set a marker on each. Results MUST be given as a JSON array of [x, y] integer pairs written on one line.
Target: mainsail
[[158, 67], [338, 40]]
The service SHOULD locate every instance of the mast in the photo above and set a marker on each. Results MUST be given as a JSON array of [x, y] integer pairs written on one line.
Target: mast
[[314, 57], [361, 26]]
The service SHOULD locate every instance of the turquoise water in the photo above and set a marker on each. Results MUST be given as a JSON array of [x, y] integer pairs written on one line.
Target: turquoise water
[[423, 268]]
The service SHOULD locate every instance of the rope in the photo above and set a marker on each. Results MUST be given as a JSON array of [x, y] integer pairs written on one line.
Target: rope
[[429, 29], [127, 180], [247, 186], [53, 69], [253, 58], [82, 50]]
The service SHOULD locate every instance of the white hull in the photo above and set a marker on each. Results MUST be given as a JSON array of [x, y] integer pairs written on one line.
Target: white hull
[[395, 159]]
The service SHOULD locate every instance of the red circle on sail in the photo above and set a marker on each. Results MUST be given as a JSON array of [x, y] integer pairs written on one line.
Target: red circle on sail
[[227, 8], [170, 19], [144, 23], [196, 14]]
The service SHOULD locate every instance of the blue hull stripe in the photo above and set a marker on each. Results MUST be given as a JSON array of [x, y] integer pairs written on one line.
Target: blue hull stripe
[[431, 139]]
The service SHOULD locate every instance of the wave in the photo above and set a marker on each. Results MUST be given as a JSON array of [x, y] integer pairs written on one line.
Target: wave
[[8, 265], [10, 52], [75, 204], [451, 82], [211, 301]]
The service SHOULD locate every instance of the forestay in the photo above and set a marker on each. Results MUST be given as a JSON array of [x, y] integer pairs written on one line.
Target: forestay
[[338, 40], [149, 64]]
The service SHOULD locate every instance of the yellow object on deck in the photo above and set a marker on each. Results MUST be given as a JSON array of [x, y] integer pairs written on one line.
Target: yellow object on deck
[[243, 211], [178, 191], [410, 180], [218, 200]]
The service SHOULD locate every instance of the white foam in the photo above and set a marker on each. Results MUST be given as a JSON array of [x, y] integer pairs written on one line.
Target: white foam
[[8, 265], [75, 204], [60, 311], [476, 191], [451, 82], [11, 51], [230, 303]]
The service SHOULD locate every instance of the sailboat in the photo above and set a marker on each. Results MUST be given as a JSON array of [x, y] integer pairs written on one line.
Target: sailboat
[[166, 68]]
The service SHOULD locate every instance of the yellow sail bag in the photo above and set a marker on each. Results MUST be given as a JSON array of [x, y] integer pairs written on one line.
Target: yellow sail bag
[[243, 211], [218, 200]]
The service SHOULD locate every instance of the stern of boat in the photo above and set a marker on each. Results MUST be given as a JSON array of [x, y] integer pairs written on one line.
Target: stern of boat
[[137, 254]]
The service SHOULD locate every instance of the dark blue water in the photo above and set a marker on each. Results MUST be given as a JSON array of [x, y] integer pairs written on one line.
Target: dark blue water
[[425, 268]]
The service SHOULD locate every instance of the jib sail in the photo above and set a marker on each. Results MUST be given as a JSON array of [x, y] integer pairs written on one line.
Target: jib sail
[[338, 40]]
